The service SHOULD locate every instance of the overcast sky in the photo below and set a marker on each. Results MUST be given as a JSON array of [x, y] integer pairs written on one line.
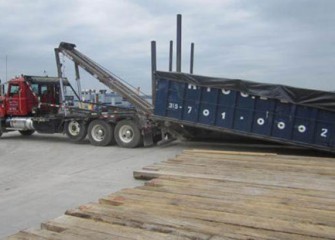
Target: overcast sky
[[275, 41]]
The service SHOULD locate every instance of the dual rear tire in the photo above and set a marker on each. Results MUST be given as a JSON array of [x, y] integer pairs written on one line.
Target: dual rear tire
[[127, 134], [101, 133]]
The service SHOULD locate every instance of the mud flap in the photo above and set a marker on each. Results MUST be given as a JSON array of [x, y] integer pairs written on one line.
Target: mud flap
[[147, 137]]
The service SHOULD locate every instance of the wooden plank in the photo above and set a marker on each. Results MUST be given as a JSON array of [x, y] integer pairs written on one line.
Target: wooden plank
[[24, 236], [206, 151], [137, 219], [245, 188], [256, 208], [183, 218], [309, 169], [237, 197], [326, 184], [169, 221], [78, 224], [256, 172], [262, 154], [268, 176], [41, 234], [255, 164]]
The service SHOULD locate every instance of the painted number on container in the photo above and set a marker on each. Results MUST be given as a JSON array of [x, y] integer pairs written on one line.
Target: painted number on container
[[260, 121], [174, 106], [189, 109], [281, 125], [225, 92], [205, 112], [223, 115], [324, 132], [302, 128]]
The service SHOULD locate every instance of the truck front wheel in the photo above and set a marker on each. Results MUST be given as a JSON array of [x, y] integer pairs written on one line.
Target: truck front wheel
[[127, 134], [100, 133], [75, 130]]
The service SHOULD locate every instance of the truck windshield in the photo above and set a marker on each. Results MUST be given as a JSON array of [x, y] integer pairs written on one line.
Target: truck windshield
[[34, 87], [14, 89]]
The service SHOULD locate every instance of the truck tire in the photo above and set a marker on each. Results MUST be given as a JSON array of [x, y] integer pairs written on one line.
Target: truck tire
[[27, 132], [100, 133], [127, 134], [75, 130]]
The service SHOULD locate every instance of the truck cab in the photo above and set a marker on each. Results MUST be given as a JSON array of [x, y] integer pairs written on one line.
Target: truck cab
[[30, 95], [32, 103], [19, 99]]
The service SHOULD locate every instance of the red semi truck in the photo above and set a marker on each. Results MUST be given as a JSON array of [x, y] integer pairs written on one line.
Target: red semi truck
[[43, 104]]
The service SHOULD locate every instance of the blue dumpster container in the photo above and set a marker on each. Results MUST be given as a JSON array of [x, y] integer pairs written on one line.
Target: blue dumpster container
[[272, 112]]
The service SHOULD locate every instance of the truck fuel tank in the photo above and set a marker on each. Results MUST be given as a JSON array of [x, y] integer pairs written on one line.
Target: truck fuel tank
[[20, 123]]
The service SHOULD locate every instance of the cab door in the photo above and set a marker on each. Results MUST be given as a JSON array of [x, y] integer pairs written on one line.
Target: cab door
[[13, 103], [16, 99]]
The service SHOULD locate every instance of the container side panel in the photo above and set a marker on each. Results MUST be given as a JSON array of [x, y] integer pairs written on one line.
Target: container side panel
[[162, 88], [225, 116], [209, 95], [207, 113], [263, 116], [243, 119], [238, 112], [227, 98], [190, 110], [244, 112], [304, 124], [245, 101], [175, 100], [191, 103], [192, 92], [283, 121], [208, 106], [324, 132]]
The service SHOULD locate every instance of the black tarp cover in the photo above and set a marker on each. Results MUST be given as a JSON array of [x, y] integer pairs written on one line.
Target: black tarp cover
[[301, 96]]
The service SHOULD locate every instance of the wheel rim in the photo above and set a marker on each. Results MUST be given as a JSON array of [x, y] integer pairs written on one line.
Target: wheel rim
[[74, 128], [126, 134], [98, 133]]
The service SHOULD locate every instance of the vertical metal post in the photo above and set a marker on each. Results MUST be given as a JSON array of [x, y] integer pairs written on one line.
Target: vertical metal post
[[76, 67], [58, 64], [61, 85], [171, 56], [6, 68], [192, 58], [3, 92], [178, 62], [153, 70], [62, 95]]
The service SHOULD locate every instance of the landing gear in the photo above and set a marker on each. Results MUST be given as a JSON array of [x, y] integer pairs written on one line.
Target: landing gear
[[100, 133], [75, 130], [127, 134]]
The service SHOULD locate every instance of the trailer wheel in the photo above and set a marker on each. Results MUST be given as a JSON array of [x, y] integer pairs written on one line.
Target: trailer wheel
[[26, 132], [100, 133], [127, 134], [75, 130]]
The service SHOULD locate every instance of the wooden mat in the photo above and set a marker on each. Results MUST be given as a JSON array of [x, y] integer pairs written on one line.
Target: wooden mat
[[212, 195]]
